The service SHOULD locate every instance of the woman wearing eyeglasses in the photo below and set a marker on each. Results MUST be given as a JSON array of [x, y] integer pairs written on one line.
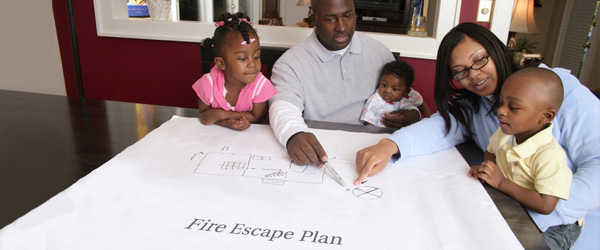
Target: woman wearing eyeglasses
[[472, 64]]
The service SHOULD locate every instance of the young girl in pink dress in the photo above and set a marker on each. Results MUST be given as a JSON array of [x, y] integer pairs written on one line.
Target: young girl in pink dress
[[235, 92]]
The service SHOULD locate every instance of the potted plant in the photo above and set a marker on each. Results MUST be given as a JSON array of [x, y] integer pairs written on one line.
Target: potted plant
[[523, 45]]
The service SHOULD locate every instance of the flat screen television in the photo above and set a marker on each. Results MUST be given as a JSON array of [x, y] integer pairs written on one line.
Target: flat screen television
[[394, 4]]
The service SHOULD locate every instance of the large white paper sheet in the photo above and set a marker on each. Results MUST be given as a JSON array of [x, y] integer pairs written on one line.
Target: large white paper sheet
[[189, 186]]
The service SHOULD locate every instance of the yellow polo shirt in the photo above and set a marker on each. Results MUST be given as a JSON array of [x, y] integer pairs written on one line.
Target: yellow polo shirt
[[539, 163]]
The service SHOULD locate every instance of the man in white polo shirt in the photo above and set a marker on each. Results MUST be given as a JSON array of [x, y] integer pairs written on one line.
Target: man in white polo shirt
[[326, 77]]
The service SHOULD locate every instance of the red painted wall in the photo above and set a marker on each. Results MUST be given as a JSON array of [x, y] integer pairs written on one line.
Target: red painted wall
[[424, 77], [160, 72], [131, 70], [468, 12]]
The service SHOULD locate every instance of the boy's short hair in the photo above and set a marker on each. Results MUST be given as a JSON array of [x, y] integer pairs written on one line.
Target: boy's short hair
[[401, 69], [548, 84]]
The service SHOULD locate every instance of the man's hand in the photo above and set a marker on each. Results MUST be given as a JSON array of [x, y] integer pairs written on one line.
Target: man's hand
[[305, 149], [373, 159], [401, 118]]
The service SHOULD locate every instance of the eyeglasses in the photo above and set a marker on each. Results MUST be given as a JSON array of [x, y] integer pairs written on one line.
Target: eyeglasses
[[477, 65]]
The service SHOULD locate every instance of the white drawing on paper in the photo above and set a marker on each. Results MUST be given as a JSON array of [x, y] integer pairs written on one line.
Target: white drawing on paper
[[272, 170]]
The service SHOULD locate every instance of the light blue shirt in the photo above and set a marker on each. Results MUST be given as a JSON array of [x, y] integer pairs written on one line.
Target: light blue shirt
[[577, 130]]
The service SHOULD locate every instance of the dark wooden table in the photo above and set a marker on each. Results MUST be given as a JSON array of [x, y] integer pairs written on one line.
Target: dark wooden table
[[49, 142]]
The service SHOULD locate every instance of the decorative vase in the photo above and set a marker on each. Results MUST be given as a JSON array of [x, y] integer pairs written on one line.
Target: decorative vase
[[517, 57], [159, 9]]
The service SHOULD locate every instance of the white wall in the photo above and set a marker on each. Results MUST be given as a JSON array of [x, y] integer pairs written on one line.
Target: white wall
[[292, 13], [29, 53]]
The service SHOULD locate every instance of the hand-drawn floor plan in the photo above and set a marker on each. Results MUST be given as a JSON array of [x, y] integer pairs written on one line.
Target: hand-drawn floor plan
[[272, 170]]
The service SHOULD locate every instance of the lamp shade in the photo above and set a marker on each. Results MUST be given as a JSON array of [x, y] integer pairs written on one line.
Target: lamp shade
[[303, 3], [522, 20]]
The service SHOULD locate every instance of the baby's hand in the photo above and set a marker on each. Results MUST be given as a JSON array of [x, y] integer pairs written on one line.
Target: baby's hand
[[236, 124]]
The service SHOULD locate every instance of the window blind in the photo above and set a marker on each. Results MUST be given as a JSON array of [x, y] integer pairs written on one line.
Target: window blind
[[576, 35]]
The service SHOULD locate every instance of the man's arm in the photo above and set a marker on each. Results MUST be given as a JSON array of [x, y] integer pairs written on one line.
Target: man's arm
[[290, 130], [287, 107]]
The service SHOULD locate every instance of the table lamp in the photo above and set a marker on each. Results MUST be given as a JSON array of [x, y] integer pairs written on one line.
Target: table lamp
[[307, 3], [522, 21]]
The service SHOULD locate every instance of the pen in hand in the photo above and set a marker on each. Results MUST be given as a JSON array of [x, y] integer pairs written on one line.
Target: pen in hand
[[337, 177]]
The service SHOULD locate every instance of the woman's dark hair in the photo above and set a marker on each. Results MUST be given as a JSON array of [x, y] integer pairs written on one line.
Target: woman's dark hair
[[401, 69], [226, 23], [447, 95]]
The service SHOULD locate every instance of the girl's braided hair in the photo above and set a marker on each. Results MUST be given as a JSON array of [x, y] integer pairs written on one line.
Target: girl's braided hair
[[226, 23]]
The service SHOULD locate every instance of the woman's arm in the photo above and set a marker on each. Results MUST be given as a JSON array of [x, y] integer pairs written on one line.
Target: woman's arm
[[425, 136], [578, 122]]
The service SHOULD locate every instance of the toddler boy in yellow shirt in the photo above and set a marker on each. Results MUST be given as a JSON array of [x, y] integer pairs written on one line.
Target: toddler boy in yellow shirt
[[523, 159]]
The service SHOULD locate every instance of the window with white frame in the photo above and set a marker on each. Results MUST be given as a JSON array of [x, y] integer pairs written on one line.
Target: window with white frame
[[112, 20]]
